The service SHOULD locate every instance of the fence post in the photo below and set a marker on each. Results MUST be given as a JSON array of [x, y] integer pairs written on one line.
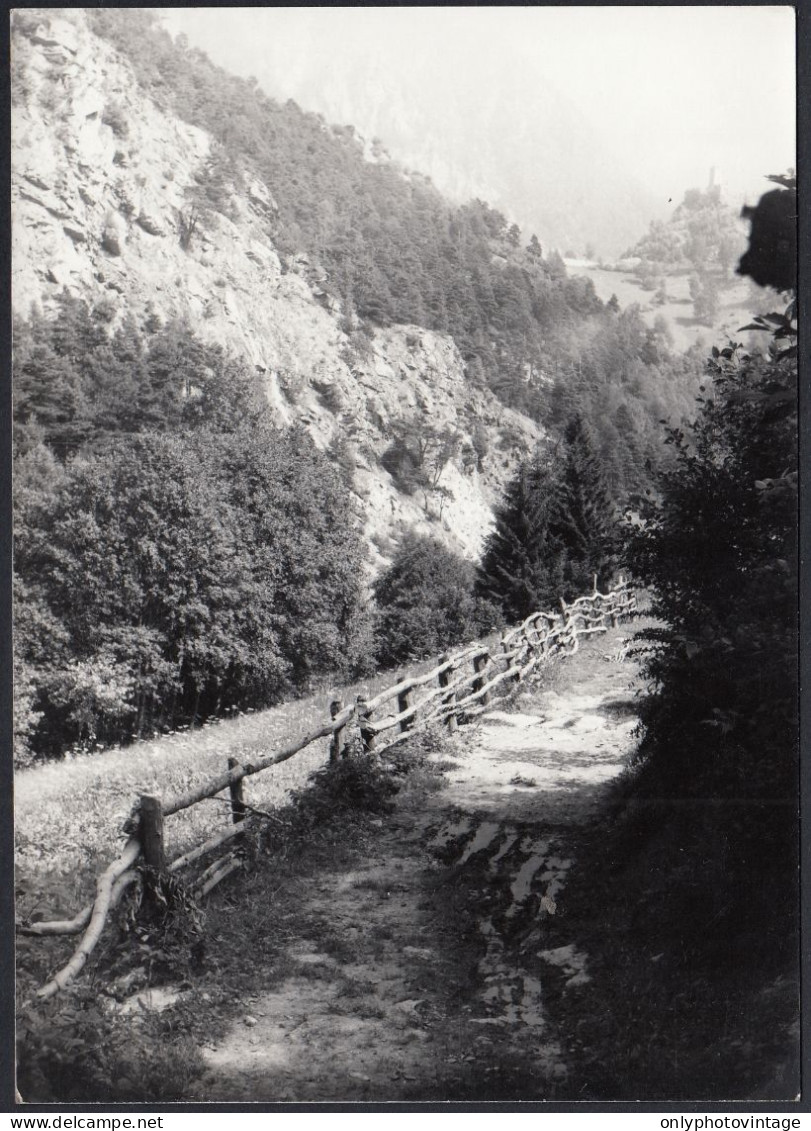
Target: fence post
[[366, 736], [540, 627], [337, 745], [506, 648], [403, 703], [237, 791], [444, 680], [479, 664], [543, 643], [150, 833], [612, 611], [569, 623]]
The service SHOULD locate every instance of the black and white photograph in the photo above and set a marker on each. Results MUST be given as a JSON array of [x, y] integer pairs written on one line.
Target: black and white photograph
[[405, 555]]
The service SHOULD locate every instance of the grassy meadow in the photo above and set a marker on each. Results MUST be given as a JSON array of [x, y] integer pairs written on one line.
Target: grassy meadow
[[736, 307], [69, 813]]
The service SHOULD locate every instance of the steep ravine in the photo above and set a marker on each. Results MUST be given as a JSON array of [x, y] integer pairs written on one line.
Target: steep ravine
[[99, 182]]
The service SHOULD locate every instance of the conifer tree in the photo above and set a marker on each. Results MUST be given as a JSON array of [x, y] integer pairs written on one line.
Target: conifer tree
[[514, 567], [555, 529], [582, 525]]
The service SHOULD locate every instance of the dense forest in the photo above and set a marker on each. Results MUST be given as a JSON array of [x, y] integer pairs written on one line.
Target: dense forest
[[176, 555]]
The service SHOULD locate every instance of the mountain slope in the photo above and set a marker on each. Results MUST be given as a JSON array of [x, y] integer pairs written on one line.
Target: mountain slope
[[455, 111], [108, 228], [377, 312]]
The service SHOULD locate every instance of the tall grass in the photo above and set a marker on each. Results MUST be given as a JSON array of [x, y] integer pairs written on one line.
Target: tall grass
[[69, 813]]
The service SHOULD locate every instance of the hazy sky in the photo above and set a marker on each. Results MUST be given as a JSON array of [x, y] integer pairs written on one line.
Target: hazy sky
[[674, 90]]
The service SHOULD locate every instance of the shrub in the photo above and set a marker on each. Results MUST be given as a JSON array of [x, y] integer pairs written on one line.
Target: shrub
[[718, 547], [83, 1052], [179, 578], [402, 465], [355, 784], [425, 602], [417, 457], [115, 117]]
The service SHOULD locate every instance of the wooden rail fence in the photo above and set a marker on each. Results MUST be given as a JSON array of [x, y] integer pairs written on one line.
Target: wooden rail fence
[[458, 689]]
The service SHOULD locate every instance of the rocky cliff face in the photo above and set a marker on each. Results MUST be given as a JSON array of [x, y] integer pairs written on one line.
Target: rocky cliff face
[[99, 197]]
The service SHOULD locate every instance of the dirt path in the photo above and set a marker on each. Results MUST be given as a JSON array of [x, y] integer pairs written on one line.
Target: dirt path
[[415, 969]]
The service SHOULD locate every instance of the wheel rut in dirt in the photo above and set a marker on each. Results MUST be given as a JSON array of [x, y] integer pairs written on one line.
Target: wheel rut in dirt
[[412, 966]]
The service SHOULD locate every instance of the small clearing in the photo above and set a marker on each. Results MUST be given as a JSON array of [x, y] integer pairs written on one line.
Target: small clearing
[[410, 965]]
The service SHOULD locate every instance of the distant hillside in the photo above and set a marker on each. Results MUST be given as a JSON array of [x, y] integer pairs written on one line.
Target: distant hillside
[[527, 150], [703, 235], [384, 245], [682, 273]]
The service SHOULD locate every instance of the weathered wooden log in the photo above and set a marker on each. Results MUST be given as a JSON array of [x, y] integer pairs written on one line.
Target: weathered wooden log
[[531, 665], [78, 922], [233, 866], [101, 906], [217, 785], [485, 690], [212, 869], [508, 654], [204, 848], [416, 711], [421, 680]]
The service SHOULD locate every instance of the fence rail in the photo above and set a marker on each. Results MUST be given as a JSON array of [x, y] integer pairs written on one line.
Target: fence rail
[[458, 689]]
